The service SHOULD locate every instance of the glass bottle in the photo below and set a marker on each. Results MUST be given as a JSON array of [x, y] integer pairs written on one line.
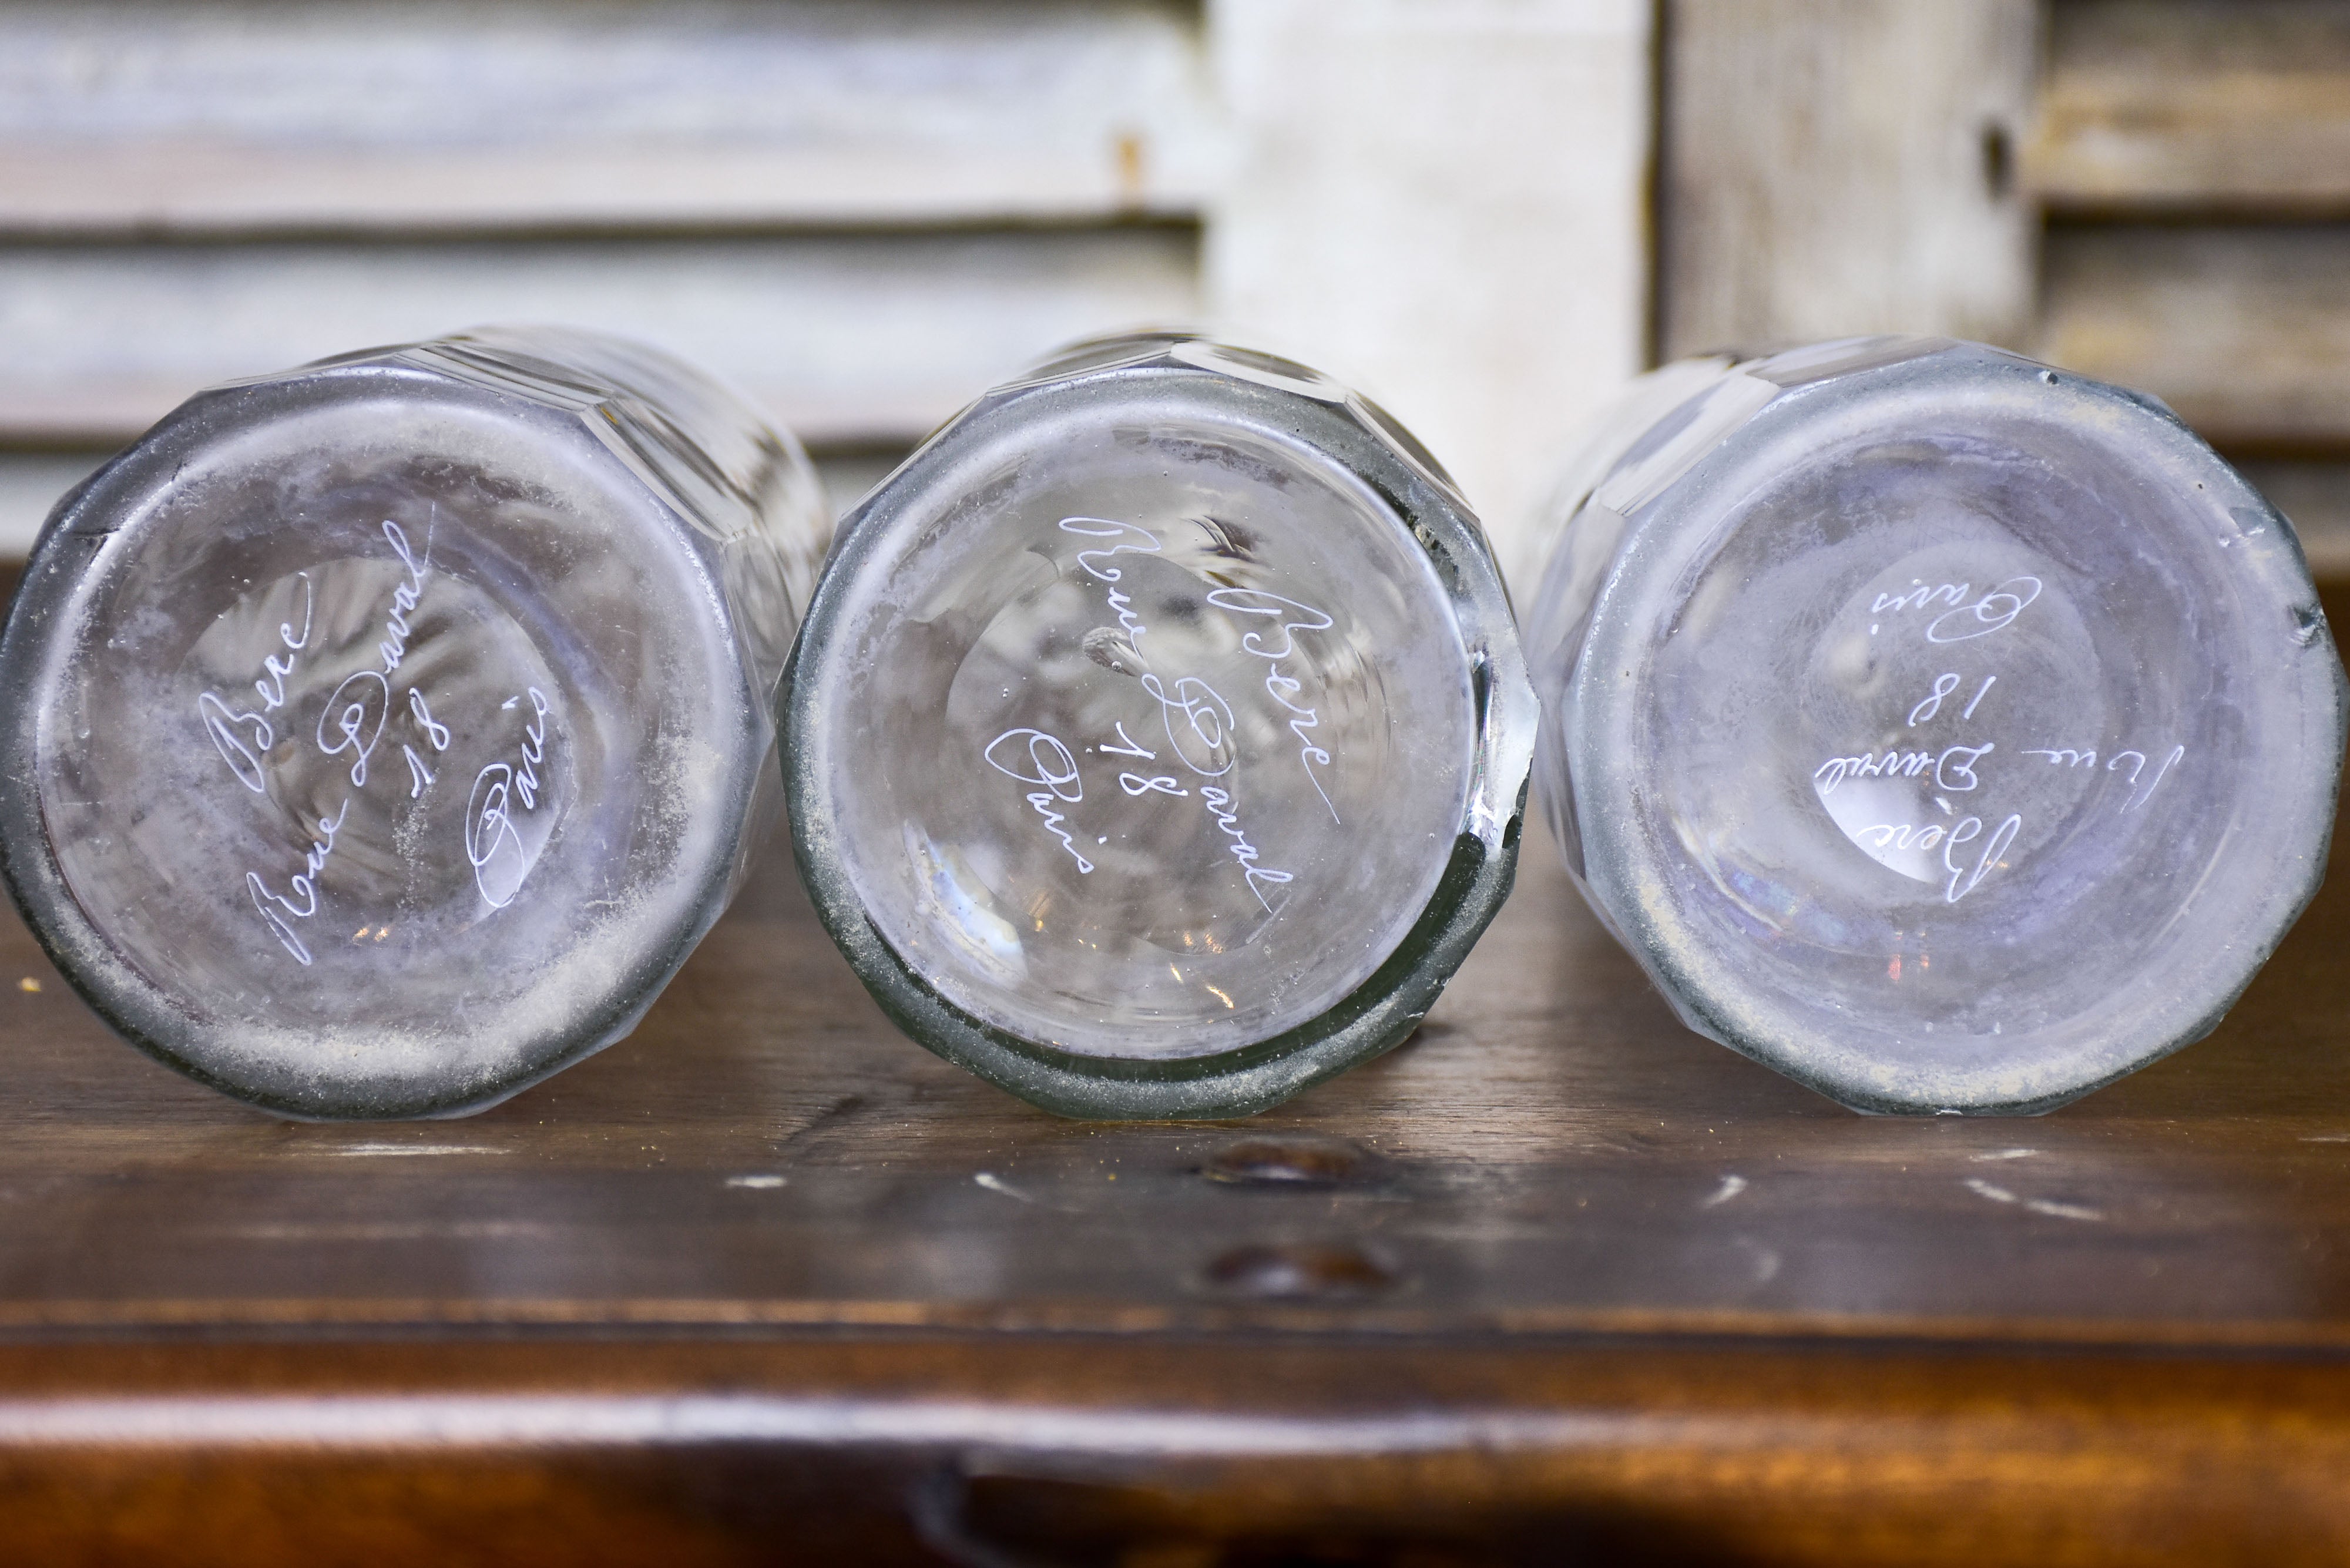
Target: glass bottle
[[1950, 733], [393, 727], [1158, 737]]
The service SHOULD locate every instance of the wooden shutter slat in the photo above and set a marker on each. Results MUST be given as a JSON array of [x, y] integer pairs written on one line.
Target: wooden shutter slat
[[1833, 167], [2182, 106], [2244, 329], [511, 114], [846, 338]]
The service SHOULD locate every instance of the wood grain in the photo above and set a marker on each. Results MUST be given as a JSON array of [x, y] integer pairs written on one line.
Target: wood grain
[[2151, 195], [929, 1449], [1834, 167], [2189, 106], [1554, 1153], [1444, 201], [2244, 328], [1556, 1280], [843, 337], [146, 118], [866, 212]]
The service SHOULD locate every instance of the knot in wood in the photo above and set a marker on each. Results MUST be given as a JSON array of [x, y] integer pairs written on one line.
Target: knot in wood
[[1291, 1158], [1290, 1271]]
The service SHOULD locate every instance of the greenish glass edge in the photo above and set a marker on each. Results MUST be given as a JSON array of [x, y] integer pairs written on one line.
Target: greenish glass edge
[[1376, 1016], [146, 1019], [1696, 1003]]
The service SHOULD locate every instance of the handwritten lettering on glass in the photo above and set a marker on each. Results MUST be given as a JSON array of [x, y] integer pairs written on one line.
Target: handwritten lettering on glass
[[1196, 719], [1970, 845]]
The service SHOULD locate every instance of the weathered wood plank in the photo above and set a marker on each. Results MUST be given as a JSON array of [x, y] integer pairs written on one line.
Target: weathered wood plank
[[1551, 1154], [1557, 1275], [1447, 199], [1841, 166], [846, 338], [2244, 329], [2195, 106], [147, 116]]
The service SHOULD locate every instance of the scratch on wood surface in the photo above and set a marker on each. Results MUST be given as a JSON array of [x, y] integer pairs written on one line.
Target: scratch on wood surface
[[303, 1234], [2327, 1138], [1731, 1185], [2005, 1153], [2047, 1206], [995, 1183], [371, 1149], [760, 1183]]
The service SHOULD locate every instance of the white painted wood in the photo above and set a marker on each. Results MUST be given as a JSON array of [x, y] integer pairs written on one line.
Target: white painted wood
[[845, 339], [1835, 167], [1443, 200], [147, 116]]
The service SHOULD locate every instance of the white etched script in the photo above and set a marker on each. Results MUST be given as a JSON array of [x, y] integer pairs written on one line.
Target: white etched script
[[1290, 618], [1031, 756], [244, 738], [494, 845], [278, 910]]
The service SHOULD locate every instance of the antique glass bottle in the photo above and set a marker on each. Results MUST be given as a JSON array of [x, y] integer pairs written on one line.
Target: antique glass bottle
[[387, 731], [1156, 738], [1950, 733]]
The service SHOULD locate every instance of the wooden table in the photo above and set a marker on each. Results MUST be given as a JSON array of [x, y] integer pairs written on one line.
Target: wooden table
[[1557, 1281]]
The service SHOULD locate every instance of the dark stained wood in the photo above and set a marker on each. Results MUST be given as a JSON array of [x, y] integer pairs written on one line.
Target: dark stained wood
[[1032, 1450], [1553, 1152], [1556, 1281]]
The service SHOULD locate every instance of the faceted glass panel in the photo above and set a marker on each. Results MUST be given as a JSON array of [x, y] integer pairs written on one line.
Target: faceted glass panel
[[397, 724], [1950, 733], [1142, 718]]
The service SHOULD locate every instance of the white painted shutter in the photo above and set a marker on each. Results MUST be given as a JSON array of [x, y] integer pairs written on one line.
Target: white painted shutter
[[2154, 192], [863, 213]]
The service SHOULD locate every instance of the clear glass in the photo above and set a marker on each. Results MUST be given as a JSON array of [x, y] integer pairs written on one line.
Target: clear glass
[[1949, 732], [1141, 716], [397, 724]]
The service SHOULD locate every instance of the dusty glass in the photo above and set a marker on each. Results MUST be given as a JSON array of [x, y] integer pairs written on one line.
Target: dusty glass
[[391, 728], [1951, 733], [1157, 736]]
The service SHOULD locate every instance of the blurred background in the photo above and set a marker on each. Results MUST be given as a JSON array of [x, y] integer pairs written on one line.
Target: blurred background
[[1486, 213]]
